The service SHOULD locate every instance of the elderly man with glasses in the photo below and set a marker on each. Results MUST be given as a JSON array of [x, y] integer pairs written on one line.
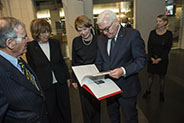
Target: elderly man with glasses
[[21, 96], [122, 51]]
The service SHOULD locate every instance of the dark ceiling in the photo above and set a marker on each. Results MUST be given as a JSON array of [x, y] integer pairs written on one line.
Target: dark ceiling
[[175, 2], [55, 4]]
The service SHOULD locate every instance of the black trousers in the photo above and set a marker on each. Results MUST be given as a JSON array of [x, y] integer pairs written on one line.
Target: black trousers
[[128, 106], [58, 103], [90, 107]]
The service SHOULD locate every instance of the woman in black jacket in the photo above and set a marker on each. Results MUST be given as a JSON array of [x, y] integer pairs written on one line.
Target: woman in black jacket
[[45, 57]]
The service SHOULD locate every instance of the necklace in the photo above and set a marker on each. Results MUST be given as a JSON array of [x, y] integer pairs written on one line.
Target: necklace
[[161, 31], [87, 42]]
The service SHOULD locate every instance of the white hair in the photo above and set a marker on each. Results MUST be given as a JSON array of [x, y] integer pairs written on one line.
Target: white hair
[[8, 26], [109, 16]]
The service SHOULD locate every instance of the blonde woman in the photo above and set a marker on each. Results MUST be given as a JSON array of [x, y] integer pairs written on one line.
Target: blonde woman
[[84, 52], [159, 45]]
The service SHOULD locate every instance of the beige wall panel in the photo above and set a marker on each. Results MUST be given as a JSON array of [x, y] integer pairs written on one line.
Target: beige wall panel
[[21, 9], [181, 40], [6, 8], [72, 9], [145, 15]]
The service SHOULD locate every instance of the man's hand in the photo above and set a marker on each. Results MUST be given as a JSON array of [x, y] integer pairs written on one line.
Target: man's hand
[[75, 85], [116, 73]]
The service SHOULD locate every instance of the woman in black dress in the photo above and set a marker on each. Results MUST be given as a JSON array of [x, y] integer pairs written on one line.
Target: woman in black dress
[[84, 52], [159, 45]]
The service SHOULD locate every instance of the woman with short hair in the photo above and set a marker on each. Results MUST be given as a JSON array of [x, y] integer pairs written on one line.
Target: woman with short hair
[[84, 52], [159, 45]]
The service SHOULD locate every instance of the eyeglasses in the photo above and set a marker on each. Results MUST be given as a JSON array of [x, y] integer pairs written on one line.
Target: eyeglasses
[[107, 28], [19, 38]]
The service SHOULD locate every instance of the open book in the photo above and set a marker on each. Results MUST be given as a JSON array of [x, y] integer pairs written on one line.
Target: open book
[[94, 81]]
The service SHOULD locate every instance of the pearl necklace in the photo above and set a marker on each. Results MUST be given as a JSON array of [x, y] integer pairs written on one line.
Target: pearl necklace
[[87, 42]]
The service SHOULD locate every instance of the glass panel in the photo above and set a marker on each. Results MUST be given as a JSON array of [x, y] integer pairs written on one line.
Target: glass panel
[[124, 11], [173, 9], [56, 18], [174, 25]]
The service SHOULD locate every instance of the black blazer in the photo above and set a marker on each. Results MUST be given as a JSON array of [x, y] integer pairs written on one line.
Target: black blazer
[[20, 101], [43, 67], [129, 52]]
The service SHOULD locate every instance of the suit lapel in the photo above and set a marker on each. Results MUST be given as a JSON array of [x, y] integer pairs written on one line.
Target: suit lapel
[[22, 80], [36, 79], [119, 41], [39, 50], [104, 48], [52, 47], [16, 75]]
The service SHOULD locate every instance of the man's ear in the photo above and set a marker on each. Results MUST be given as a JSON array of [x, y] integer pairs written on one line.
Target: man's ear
[[10, 43], [116, 22]]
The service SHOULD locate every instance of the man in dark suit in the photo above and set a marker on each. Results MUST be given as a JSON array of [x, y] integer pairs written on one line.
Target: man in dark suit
[[122, 51], [21, 98]]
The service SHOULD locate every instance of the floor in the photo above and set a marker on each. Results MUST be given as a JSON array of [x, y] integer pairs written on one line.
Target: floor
[[172, 110], [150, 110]]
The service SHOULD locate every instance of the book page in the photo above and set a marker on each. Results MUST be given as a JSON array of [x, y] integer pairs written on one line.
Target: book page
[[101, 74], [84, 71], [102, 87], [94, 81]]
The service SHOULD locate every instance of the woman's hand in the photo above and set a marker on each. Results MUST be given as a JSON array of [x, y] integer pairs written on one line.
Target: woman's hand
[[153, 60], [75, 85], [68, 82], [158, 60]]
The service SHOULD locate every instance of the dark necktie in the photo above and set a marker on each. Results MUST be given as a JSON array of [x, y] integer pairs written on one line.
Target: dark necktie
[[27, 73], [112, 46]]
